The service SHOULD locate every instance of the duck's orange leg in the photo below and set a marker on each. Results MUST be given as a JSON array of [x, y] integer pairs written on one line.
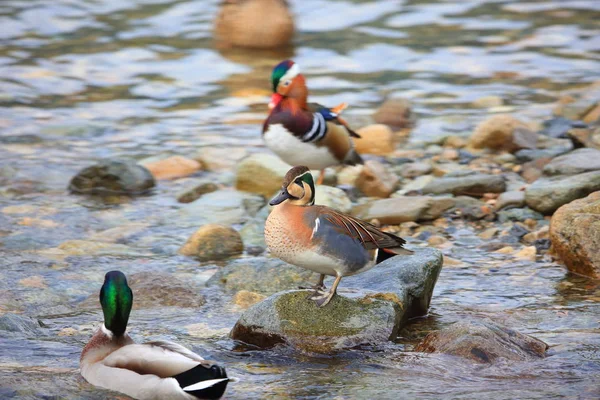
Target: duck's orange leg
[[321, 177]]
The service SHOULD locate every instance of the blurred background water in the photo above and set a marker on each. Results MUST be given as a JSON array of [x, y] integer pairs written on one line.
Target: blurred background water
[[83, 80]]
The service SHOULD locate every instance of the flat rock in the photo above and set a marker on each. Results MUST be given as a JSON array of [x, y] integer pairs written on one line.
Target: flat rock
[[400, 209], [213, 242], [574, 162], [547, 194], [262, 275], [518, 215], [195, 191], [173, 167], [113, 176], [261, 174], [380, 302], [575, 235], [484, 342], [415, 169], [471, 185]]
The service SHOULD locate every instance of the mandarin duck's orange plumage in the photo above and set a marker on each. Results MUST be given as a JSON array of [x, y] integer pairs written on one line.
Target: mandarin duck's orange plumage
[[303, 133], [322, 239]]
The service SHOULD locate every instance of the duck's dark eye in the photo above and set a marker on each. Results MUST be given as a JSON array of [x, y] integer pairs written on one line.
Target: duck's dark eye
[[299, 182]]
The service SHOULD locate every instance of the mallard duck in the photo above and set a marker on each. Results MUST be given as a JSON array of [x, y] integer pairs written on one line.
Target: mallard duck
[[322, 239], [254, 23], [148, 371]]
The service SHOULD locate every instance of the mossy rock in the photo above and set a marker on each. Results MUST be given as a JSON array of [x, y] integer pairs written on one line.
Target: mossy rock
[[113, 177]]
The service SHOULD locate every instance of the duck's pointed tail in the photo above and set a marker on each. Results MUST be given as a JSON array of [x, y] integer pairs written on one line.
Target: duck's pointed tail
[[204, 381]]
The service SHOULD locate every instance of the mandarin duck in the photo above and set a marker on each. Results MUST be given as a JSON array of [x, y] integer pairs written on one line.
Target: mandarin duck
[[302, 133], [152, 370], [254, 23], [322, 239]]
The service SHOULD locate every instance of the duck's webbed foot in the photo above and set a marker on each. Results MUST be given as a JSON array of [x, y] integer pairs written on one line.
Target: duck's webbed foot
[[322, 299]]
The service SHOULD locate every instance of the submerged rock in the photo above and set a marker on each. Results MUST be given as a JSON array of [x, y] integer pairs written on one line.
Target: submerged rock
[[261, 275], [575, 235], [380, 301], [484, 342], [547, 194], [195, 191], [261, 174], [20, 324], [471, 185], [157, 289], [213, 242], [404, 209], [518, 215], [113, 177]]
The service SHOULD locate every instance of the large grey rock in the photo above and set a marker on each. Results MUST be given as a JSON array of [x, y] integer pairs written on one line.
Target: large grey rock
[[262, 275], [113, 177], [512, 199], [575, 162], [470, 185], [547, 194], [483, 341], [404, 209], [371, 312]]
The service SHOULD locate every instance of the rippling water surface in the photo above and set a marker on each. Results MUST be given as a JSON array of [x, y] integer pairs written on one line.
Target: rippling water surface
[[83, 80]]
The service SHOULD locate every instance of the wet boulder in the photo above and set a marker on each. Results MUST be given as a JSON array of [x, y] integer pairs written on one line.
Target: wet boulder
[[575, 162], [369, 309], [483, 341], [213, 242], [575, 235], [173, 167], [475, 185], [404, 209], [113, 176], [547, 194]]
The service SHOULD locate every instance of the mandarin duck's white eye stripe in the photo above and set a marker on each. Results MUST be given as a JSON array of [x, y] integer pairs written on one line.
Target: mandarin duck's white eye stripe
[[291, 73], [318, 129]]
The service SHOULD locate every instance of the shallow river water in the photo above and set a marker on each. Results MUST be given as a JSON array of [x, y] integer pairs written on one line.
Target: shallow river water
[[83, 80]]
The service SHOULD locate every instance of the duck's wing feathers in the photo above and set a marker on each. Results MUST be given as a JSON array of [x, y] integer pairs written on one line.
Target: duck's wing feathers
[[367, 234], [333, 115], [163, 359]]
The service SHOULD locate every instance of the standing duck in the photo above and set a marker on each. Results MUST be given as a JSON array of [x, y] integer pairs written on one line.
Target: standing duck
[[302, 133], [254, 23], [148, 371], [322, 239]]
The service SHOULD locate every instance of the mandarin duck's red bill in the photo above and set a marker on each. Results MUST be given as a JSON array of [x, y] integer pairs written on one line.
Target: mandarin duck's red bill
[[322, 239], [305, 133]]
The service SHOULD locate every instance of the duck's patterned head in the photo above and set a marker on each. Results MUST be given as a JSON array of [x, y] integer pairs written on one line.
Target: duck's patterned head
[[298, 187], [116, 299], [284, 73]]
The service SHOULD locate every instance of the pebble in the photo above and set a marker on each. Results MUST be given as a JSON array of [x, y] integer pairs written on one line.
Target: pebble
[[527, 253], [261, 174], [213, 242], [376, 180], [395, 112]]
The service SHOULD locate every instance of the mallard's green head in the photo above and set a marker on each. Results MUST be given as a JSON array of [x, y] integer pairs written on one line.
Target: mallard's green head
[[116, 299]]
